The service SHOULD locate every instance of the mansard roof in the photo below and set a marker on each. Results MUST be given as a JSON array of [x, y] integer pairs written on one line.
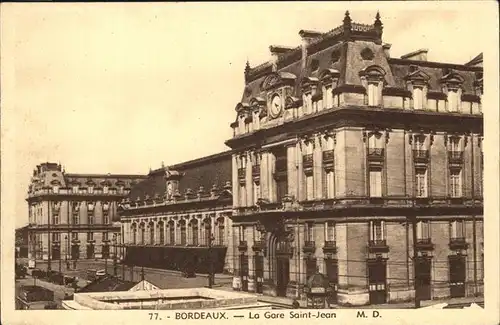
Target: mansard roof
[[348, 50]]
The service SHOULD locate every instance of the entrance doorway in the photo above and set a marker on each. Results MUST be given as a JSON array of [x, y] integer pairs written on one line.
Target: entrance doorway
[[56, 252], [259, 273], [423, 278], [282, 274], [244, 271], [75, 252], [332, 273], [377, 278], [90, 251], [457, 275]]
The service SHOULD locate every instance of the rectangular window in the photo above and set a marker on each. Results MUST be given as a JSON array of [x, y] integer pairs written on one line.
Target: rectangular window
[[56, 237], [105, 190], [242, 233], [375, 183], [418, 98], [76, 219], [452, 101], [55, 219], [457, 229], [373, 95], [91, 219], [421, 182], [455, 144], [329, 184], [90, 236], [377, 232], [105, 236], [423, 230], [455, 183], [90, 190], [330, 231], [75, 189], [309, 188], [256, 192], [243, 194], [74, 236], [309, 231], [105, 218]]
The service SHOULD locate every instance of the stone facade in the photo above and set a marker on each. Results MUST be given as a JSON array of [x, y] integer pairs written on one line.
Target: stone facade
[[74, 216], [179, 217], [343, 155]]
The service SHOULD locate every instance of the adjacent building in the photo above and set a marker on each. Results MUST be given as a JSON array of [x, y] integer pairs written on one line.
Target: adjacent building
[[74, 216], [178, 218], [366, 167]]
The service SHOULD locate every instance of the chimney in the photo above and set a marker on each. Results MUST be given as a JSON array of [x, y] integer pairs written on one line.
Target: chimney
[[276, 51], [387, 50], [418, 55], [307, 37]]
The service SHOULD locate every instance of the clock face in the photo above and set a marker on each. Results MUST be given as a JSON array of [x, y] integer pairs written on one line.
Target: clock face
[[276, 106]]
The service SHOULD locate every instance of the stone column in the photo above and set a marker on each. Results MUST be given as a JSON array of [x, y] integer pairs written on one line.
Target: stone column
[[300, 172], [318, 167], [271, 181], [291, 157], [248, 180], [235, 182], [251, 264], [264, 174]]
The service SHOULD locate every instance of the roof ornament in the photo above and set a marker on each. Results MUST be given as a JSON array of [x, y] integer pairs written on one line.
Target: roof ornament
[[247, 70], [347, 26], [378, 26]]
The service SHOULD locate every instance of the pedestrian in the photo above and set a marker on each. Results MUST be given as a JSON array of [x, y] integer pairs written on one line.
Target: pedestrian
[[295, 304]]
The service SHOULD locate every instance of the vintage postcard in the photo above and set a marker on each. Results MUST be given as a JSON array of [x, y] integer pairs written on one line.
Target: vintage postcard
[[329, 162]]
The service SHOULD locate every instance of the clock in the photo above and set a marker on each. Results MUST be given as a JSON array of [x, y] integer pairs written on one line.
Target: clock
[[276, 106]]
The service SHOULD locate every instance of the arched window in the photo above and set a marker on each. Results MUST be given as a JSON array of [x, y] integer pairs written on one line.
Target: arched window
[[142, 234], [151, 233], [161, 231], [171, 232], [220, 232], [193, 227], [207, 231], [134, 233], [182, 226]]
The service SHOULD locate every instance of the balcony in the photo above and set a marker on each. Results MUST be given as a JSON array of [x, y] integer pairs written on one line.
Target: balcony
[[259, 245], [309, 246], [330, 246], [328, 157], [307, 161], [424, 244], [242, 246], [458, 243], [378, 246], [455, 157], [421, 156], [255, 171], [241, 173], [376, 154]]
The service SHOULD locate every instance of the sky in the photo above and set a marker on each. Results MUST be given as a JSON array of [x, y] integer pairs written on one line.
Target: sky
[[119, 88]]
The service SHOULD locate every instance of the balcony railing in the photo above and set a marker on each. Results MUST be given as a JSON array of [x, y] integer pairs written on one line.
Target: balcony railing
[[376, 153], [241, 173], [330, 246], [421, 155], [455, 157], [255, 170], [309, 246], [307, 161], [424, 244], [328, 157], [242, 245], [458, 243], [378, 246]]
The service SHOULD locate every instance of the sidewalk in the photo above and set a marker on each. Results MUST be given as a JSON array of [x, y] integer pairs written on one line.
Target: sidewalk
[[405, 305]]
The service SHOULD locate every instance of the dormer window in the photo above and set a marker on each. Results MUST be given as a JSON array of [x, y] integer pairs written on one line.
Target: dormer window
[[372, 79], [90, 189], [418, 98], [75, 188], [105, 189], [453, 100]]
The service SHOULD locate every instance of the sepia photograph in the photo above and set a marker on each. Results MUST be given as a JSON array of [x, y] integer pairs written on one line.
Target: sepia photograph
[[249, 161]]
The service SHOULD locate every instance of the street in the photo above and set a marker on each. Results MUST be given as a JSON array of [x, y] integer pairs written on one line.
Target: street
[[164, 279]]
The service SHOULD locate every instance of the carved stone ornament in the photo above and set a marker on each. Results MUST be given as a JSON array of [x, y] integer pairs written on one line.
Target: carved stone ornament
[[367, 54]]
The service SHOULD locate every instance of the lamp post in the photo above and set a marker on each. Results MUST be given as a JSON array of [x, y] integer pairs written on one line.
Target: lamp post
[[66, 253], [114, 255], [210, 261]]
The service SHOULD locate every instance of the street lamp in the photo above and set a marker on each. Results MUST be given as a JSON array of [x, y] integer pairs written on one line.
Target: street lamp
[[210, 260], [114, 255], [66, 240]]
